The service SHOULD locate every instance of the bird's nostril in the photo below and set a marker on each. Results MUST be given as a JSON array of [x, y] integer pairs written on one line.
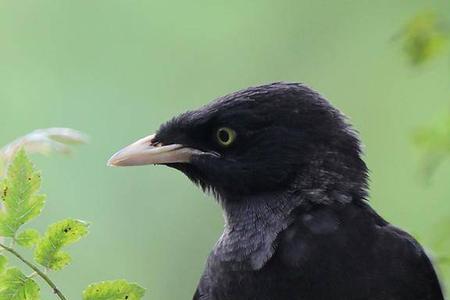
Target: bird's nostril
[[155, 143]]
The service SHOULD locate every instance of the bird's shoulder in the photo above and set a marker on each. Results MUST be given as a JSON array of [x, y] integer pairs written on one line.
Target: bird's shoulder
[[330, 229], [405, 259], [353, 243]]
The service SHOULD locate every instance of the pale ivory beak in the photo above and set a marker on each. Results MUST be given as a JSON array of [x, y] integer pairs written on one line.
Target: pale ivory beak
[[145, 152]]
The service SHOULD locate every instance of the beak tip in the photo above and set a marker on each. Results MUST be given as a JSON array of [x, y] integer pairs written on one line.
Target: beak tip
[[112, 162]]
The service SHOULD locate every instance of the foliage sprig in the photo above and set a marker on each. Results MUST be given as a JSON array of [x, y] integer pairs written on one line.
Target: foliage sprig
[[22, 202]]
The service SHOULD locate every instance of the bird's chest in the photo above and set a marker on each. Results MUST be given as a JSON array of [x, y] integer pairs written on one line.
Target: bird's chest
[[295, 265], [233, 281], [249, 269], [240, 267]]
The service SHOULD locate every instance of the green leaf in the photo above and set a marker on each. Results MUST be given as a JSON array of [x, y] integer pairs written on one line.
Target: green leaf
[[3, 263], [2, 166], [18, 192], [424, 37], [434, 143], [435, 138], [14, 285], [63, 233], [113, 290], [28, 238]]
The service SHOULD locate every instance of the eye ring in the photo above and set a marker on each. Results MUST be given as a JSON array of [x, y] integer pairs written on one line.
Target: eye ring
[[225, 136]]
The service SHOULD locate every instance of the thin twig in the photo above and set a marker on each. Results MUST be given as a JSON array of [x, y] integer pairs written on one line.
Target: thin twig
[[35, 269]]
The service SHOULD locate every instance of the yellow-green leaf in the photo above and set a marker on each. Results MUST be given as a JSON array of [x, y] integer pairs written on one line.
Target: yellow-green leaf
[[424, 37], [14, 285], [28, 238], [18, 193], [113, 290], [63, 233], [3, 263]]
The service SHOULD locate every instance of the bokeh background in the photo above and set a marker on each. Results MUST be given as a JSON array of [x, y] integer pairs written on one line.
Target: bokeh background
[[116, 69]]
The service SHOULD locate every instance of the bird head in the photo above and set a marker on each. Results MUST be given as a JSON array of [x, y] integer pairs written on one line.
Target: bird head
[[258, 140]]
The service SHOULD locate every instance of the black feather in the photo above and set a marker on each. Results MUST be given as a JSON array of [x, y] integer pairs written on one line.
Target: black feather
[[293, 187]]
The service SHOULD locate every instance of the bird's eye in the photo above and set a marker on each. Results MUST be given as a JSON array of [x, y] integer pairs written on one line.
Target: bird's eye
[[225, 136]]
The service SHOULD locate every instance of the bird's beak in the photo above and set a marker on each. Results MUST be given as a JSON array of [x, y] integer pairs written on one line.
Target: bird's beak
[[145, 151]]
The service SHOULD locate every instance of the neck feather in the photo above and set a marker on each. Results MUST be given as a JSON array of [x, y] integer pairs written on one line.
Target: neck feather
[[253, 223]]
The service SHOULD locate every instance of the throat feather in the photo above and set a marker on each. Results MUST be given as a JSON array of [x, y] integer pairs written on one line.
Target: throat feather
[[252, 226]]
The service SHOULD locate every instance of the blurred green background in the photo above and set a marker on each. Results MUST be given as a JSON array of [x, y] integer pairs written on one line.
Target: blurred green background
[[117, 69]]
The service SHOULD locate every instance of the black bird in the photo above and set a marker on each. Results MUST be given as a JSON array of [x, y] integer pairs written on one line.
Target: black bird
[[286, 168]]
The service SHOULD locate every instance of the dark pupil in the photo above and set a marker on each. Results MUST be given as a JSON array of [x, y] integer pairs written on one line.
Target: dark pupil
[[224, 136]]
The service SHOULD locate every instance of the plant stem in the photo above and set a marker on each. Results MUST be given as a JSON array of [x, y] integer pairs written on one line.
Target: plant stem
[[35, 269]]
